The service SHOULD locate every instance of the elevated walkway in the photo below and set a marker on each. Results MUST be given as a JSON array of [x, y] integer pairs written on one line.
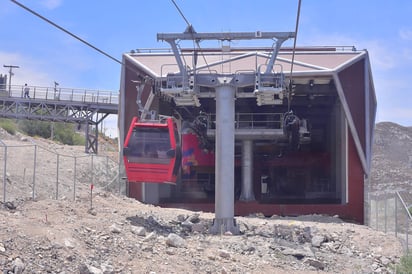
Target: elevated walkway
[[84, 107]]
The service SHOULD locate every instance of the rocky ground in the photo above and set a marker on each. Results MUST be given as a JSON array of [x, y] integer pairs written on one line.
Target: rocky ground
[[112, 234], [102, 232]]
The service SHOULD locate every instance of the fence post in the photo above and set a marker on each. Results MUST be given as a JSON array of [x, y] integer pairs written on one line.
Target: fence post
[[396, 216], [57, 178], [92, 171], [34, 171], [386, 213], [107, 171], [4, 172], [407, 234], [376, 213], [74, 179], [408, 218]]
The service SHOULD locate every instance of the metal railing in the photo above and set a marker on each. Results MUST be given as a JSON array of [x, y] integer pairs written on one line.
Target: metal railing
[[272, 80], [43, 173], [62, 94], [253, 120], [390, 214]]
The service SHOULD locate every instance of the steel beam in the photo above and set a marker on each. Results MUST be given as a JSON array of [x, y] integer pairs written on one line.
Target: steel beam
[[59, 111], [224, 36]]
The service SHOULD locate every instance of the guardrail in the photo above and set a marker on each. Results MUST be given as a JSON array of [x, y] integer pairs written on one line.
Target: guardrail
[[62, 94]]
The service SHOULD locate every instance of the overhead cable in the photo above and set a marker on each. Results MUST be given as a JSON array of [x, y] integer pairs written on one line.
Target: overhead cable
[[68, 32], [293, 54], [181, 13], [191, 30]]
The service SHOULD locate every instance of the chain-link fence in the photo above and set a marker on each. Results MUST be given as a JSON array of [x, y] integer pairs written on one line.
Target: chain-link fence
[[33, 171], [389, 213]]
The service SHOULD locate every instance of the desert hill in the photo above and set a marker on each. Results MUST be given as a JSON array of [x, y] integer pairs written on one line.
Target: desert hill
[[392, 159]]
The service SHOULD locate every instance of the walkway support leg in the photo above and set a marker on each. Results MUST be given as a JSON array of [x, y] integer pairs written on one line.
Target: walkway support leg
[[225, 162], [247, 171]]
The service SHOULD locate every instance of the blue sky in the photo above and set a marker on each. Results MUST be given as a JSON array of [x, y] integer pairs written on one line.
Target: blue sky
[[46, 54]]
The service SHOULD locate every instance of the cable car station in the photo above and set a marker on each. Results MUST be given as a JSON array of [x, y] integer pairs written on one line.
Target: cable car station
[[267, 130]]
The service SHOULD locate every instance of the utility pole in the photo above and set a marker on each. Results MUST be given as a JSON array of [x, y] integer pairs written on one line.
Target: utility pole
[[10, 67]]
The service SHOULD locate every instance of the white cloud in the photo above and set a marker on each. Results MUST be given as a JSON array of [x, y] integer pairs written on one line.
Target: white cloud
[[407, 54], [390, 65], [405, 34], [28, 71], [382, 57], [399, 115], [110, 126], [51, 4], [320, 39]]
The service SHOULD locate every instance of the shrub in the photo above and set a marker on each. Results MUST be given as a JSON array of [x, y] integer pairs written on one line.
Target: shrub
[[35, 128], [405, 265], [62, 132], [79, 140], [8, 126]]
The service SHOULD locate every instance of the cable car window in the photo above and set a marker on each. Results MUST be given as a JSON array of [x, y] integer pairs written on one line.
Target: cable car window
[[149, 145]]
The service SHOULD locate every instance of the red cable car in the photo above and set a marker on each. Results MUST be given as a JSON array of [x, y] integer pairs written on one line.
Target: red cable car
[[151, 151]]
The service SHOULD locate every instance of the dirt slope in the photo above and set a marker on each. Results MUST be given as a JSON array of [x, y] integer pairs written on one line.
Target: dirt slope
[[121, 235]]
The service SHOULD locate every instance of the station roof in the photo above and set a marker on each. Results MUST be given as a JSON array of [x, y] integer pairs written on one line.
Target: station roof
[[347, 67], [308, 60]]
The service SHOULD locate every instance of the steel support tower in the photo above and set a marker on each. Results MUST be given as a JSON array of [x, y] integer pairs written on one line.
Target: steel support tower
[[225, 85]]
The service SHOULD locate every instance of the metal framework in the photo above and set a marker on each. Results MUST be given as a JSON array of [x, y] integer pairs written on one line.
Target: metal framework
[[184, 88], [83, 112]]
